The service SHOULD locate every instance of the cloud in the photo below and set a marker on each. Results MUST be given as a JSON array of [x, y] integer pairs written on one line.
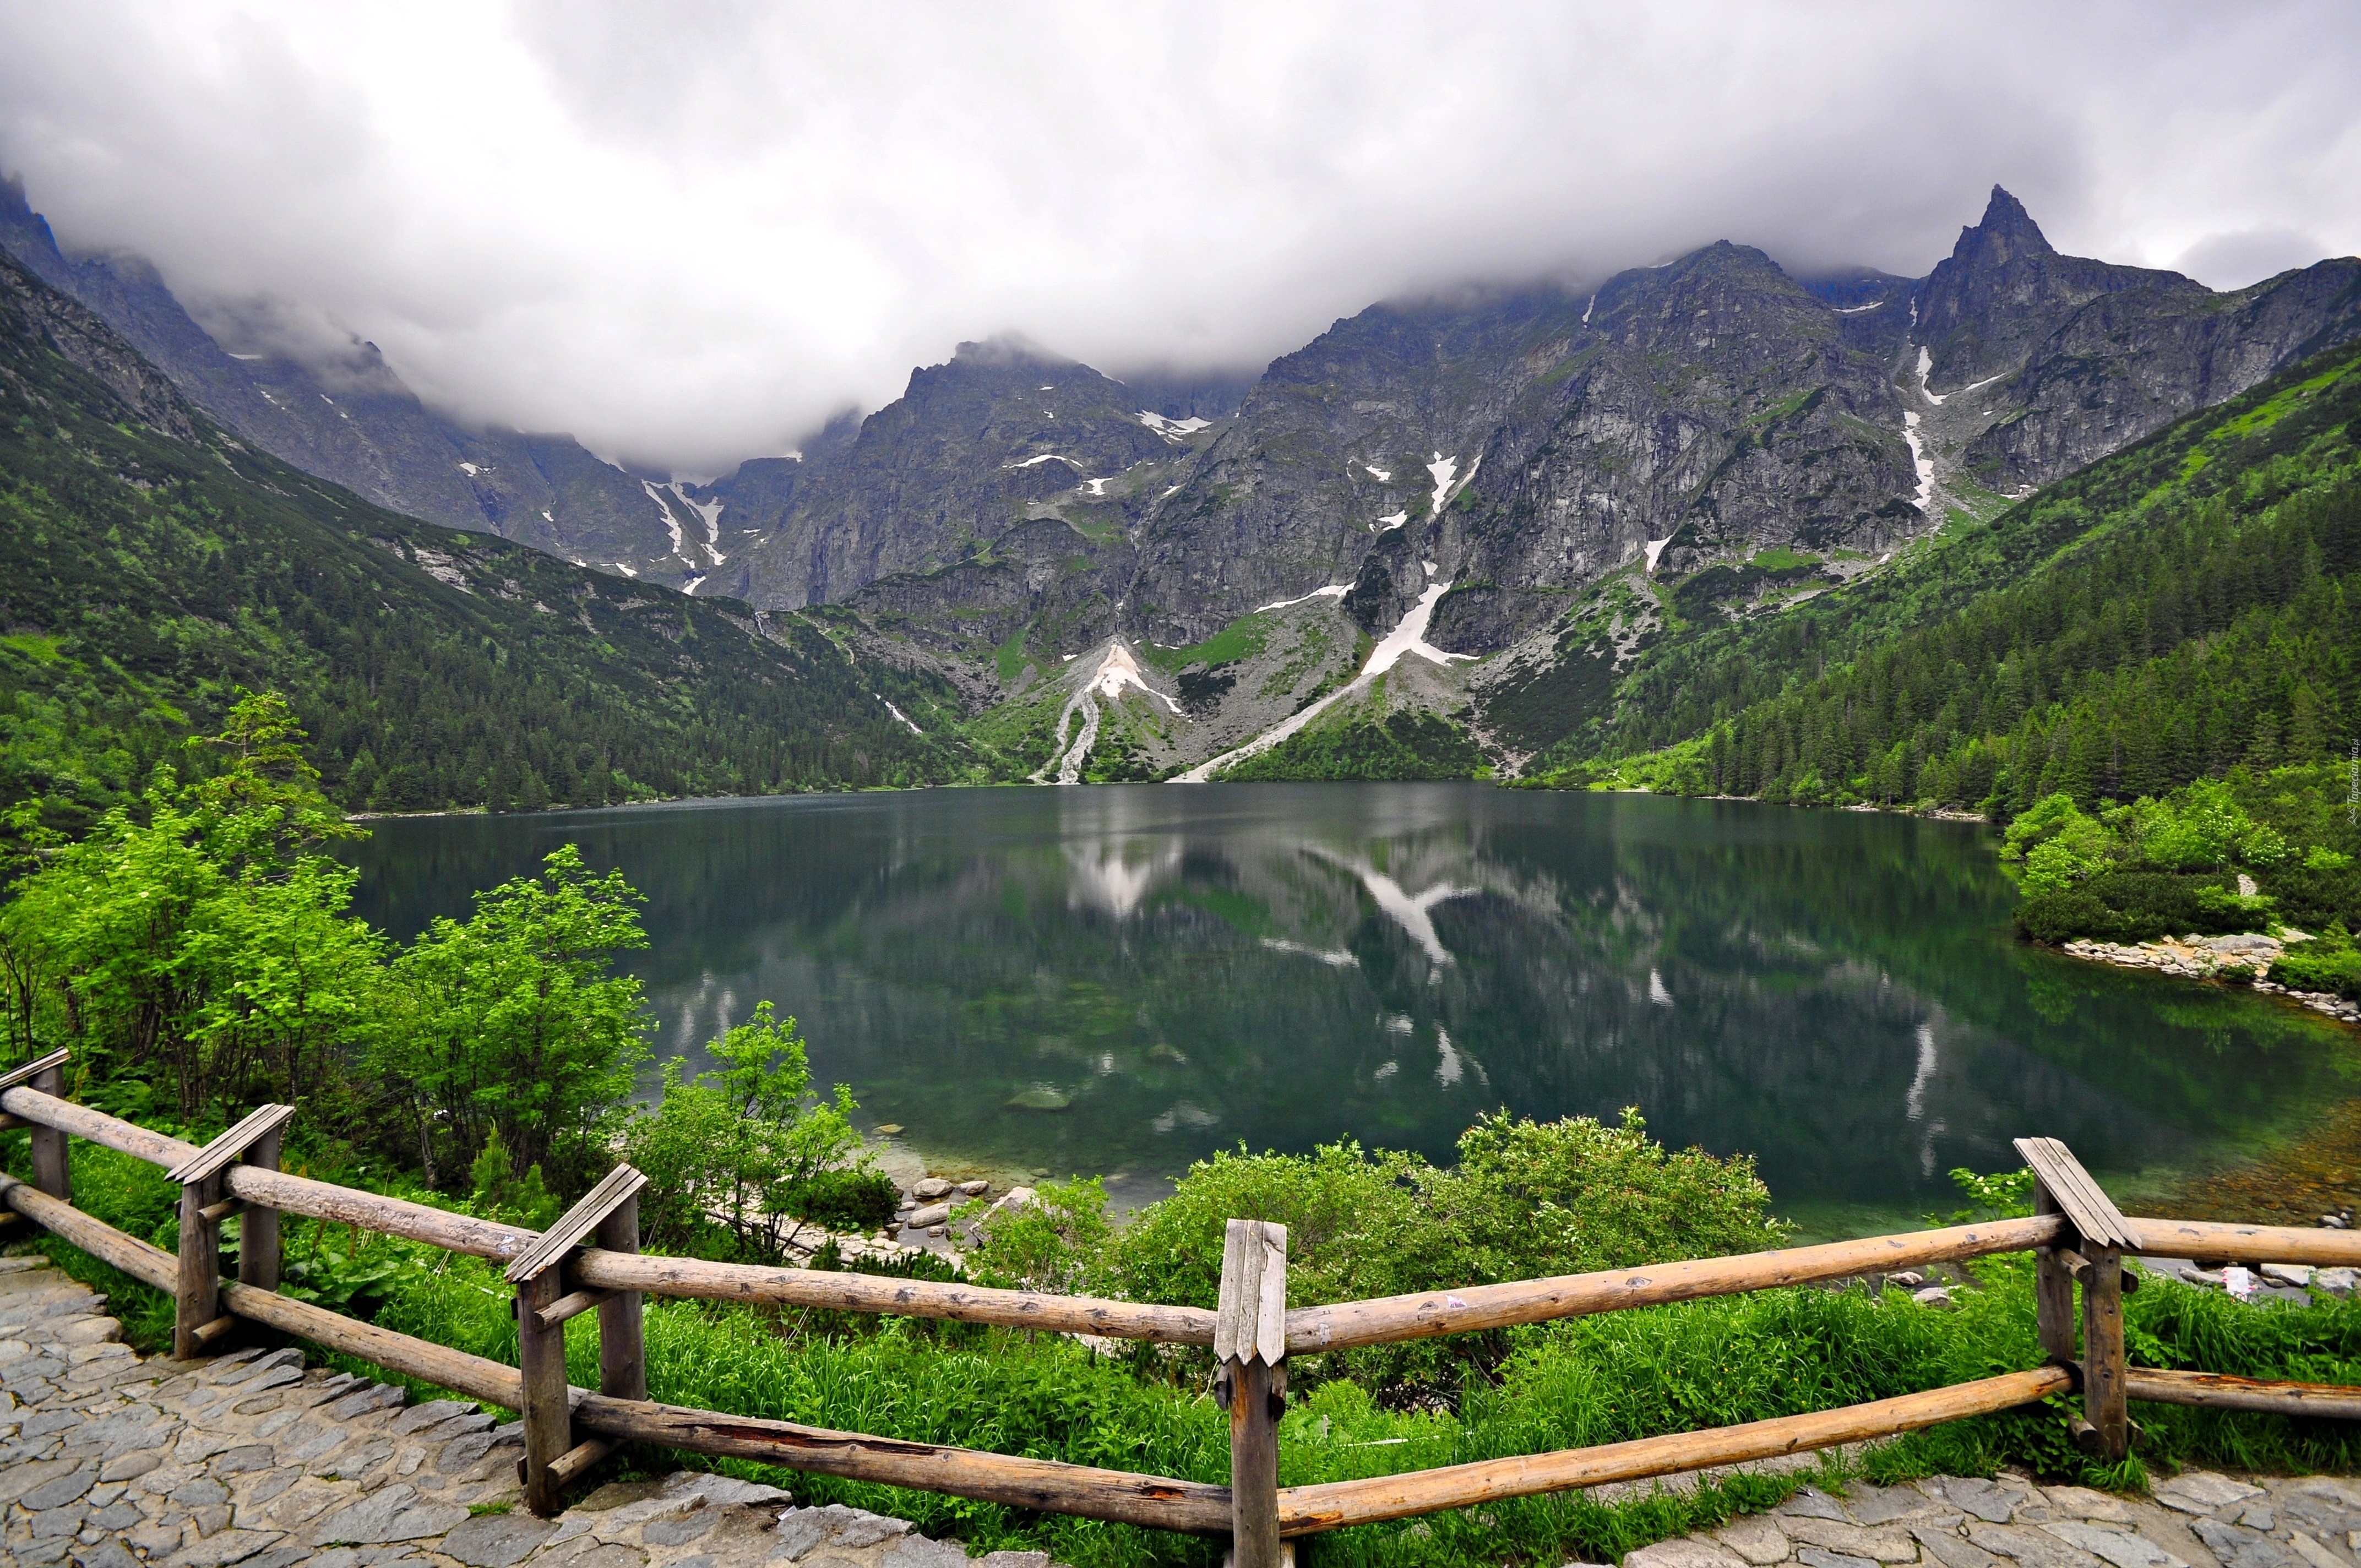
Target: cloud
[[688, 234], [2248, 256]]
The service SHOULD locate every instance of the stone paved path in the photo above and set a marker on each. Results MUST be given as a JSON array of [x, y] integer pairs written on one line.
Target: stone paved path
[[2196, 1521], [109, 1460]]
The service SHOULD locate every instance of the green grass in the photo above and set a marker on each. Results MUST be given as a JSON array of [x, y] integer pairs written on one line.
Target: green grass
[[1576, 1383], [1010, 656], [1241, 639], [1781, 558]]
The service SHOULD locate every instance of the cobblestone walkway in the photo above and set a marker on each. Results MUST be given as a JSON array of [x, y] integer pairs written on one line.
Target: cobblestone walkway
[[2197, 1521], [109, 1460]]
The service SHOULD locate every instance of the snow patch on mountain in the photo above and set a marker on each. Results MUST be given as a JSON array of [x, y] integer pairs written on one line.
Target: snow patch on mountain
[[1334, 590], [1174, 429], [1116, 674], [671, 518], [709, 513], [1919, 460], [1408, 637]]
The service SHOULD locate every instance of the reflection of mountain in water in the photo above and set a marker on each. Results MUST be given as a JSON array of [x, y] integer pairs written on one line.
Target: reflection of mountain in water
[[1283, 965]]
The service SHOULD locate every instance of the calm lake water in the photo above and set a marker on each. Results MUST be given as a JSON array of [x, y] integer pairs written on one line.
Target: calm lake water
[[1120, 979]]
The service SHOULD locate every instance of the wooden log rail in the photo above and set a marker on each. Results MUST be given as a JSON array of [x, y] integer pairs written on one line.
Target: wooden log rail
[[2077, 1236]]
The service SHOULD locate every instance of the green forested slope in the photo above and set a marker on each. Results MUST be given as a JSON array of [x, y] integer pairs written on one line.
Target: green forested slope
[[2184, 607], [149, 564]]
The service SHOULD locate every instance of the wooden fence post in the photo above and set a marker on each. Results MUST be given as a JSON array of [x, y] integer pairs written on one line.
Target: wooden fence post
[[1250, 1346], [257, 1226], [623, 1342], [52, 1173], [198, 1321], [196, 1293], [2104, 1382], [548, 1404], [552, 1457], [2053, 1286], [2095, 1261]]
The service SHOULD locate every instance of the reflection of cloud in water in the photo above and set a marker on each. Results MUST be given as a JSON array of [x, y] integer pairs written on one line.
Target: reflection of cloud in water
[[1386, 1070], [1656, 991], [1448, 1069], [1184, 1115], [1334, 958]]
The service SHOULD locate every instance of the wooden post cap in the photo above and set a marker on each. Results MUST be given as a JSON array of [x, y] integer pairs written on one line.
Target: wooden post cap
[[1250, 1323]]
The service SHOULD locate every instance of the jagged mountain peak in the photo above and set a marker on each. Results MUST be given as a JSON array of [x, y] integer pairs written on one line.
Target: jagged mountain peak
[[2005, 232], [1008, 350]]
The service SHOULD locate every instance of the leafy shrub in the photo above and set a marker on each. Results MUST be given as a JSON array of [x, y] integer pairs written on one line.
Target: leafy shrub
[[1055, 1242], [2065, 914], [734, 1155], [2319, 891], [2136, 906], [1526, 1199], [863, 1200], [2328, 962]]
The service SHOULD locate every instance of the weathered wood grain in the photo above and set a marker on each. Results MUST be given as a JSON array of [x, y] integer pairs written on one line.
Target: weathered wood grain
[[874, 1293], [148, 1264], [1311, 1330], [622, 1331], [1337, 1504], [2102, 1354], [225, 1150], [2222, 1242], [1191, 1507], [2219, 1391], [2090, 1212], [614, 1188]]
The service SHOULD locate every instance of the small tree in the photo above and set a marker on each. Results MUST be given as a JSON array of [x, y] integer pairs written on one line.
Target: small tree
[[201, 938], [747, 1147], [513, 1023]]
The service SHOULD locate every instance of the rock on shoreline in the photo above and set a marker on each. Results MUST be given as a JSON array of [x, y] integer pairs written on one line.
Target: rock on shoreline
[[2206, 958]]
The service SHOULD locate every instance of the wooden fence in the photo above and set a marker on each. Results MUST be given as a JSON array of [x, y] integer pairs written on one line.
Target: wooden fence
[[589, 1261]]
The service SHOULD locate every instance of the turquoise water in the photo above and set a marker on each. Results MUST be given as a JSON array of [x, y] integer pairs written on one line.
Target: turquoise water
[[1121, 978]]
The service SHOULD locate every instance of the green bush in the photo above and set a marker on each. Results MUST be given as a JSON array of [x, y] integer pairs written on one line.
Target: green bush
[[2136, 906], [1526, 1199], [862, 1200], [2328, 962], [2065, 914]]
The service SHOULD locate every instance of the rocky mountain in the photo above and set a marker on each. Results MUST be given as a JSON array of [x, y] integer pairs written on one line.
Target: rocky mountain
[[2074, 358], [994, 439], [151, 564], [355, 423], [1523, 488], [1528, 489]]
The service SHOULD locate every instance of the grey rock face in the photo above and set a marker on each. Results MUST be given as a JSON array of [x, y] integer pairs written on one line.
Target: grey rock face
[[973, 448], [355, 422]]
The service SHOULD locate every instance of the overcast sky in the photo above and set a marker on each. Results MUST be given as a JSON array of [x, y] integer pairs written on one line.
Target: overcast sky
[[687, 233]]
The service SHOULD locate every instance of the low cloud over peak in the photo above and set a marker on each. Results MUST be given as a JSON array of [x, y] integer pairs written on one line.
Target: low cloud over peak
[[689, 236]]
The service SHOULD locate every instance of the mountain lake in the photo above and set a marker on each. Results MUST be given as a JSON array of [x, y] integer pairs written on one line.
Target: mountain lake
[[1117, 980]]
